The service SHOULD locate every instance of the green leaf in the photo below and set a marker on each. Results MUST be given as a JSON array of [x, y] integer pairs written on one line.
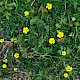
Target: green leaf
[[28, 0], [11, 4], [9, 8], [7, 17], [58, 26], [79, 9], [33, 20], [6, 79], [1, 74], [1, 10], [23, 0], [1, 3], [77, 24], [59, 51]]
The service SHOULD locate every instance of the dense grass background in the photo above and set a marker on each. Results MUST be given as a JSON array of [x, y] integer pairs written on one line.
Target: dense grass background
[[38, 59]]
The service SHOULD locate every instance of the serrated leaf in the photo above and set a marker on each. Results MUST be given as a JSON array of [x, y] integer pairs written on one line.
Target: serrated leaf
[[33, 20], [59, 51]]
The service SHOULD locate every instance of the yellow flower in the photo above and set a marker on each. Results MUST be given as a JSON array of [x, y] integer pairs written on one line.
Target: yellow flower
[[51, 40], [65, 75], [26, 13], [1, 40], [16, 55], [15, 69], [49, 6], [60, 34], [12, 39], [5, 60], [68, 69], [4, 66], [25, 30], [71, 34], [64, 53]]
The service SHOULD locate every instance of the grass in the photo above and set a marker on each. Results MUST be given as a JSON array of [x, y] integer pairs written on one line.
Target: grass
[[38, 59]]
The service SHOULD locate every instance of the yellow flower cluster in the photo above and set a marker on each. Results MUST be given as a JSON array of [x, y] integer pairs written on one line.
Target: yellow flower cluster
[[5, 60], [1, 40], [16, 55], [49, 6], [71, 34], [15, 69], [51, 40], [12, 40], [65, 75], [4, 66], [60, 34], [26, 13], [64, 53], [68, 69], [25, 30]]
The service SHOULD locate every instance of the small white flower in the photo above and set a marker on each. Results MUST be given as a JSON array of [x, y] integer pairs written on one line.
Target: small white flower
[[73, 18]]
